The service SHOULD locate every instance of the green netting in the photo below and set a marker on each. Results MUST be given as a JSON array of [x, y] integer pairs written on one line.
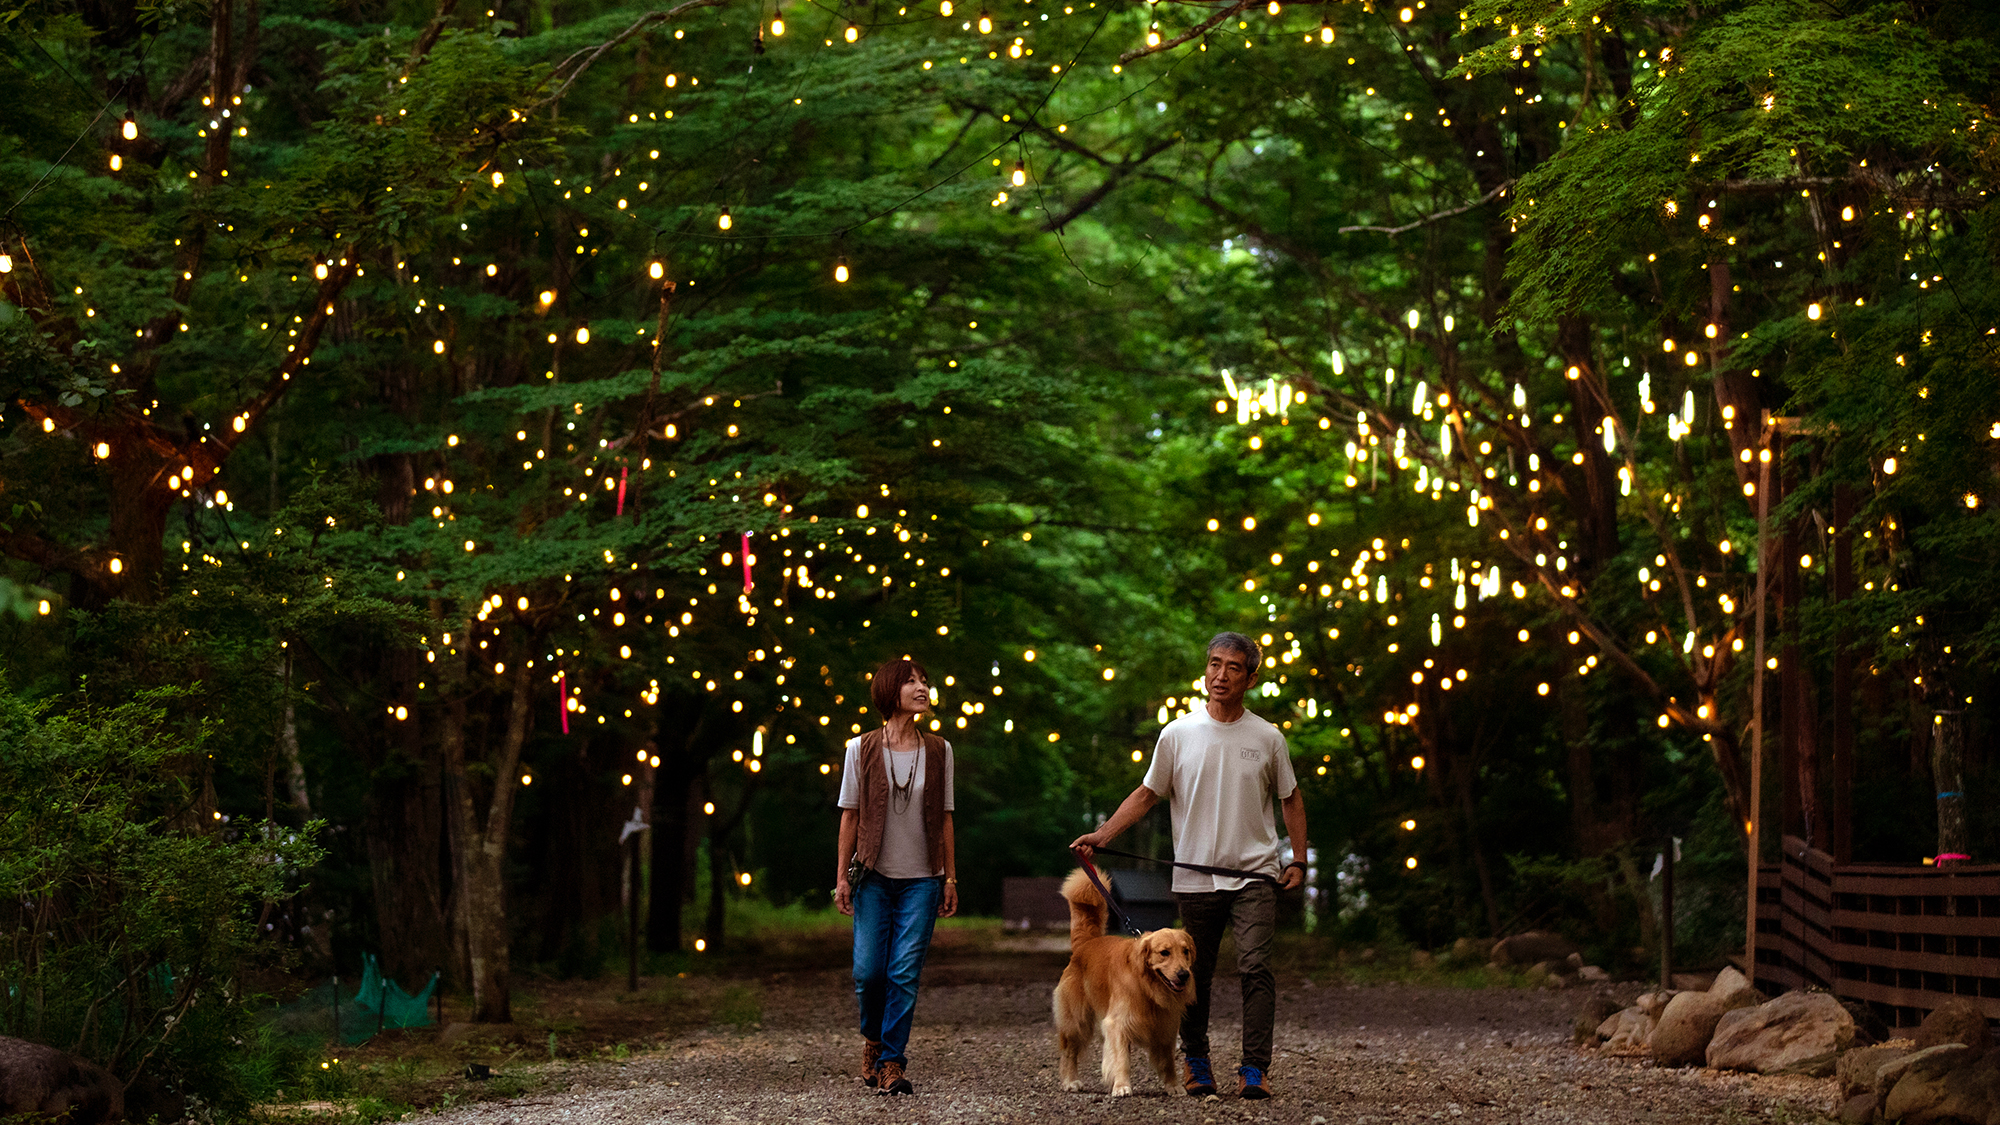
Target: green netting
[[380, 1004]]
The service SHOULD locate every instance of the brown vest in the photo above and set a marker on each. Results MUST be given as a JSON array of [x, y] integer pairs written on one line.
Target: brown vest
[[875, 798]]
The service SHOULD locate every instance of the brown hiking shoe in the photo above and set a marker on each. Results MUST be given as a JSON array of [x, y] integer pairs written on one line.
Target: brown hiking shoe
[[1200, 1080], [1253, 1085], [871, 1063], [892, 1080]]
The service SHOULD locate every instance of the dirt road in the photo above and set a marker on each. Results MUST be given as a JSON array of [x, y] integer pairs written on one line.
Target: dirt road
[[983, 1052]]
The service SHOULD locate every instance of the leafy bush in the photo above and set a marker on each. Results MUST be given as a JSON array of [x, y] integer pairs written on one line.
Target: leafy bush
[[127, 901]]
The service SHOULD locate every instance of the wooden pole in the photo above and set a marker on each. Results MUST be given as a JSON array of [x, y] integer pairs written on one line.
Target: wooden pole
[[1754, 822]]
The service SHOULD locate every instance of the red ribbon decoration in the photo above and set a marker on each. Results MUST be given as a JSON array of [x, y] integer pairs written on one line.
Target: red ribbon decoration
[[622, 470], [562, 686], [747, 584]]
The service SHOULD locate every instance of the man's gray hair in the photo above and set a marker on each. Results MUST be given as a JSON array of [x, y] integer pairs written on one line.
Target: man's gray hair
[[1239, 643]]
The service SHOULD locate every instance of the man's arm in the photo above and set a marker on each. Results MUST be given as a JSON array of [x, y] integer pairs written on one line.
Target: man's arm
[[1135, 807], [1294, 808]]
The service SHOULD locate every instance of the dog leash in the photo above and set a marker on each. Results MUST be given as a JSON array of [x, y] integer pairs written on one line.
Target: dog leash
[[1229, 872], [1104, 892]]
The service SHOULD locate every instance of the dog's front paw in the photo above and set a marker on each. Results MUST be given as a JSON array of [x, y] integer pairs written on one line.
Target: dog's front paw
[[1122, 1091], [1073, 1085]]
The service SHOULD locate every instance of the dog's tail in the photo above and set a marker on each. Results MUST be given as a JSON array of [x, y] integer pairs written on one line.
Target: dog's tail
[[1087, 912]]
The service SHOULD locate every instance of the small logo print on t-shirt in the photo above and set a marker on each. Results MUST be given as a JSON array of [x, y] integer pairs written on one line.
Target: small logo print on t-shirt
[[1249, 754]]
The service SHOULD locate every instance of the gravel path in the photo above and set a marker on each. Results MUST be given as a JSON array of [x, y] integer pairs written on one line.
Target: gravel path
[[983, 1052]]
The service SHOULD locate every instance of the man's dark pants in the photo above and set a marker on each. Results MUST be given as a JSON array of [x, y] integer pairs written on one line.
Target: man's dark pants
[[1252, 913]]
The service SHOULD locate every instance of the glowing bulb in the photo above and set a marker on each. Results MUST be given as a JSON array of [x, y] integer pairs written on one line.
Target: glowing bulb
[[583, 335], [1889, 466], [853, 33], [1411, 862], [1020, 173], [117, 566], [548, 297], [985, 24], [1417, 762], [499, 178], [700, 945], [840, 273], [672, 81], [777, 25], [6, 263], [657, 269], [319, 270], [944, 9], [117, 162], [723, 220], [1273, 7], [1325, 32], [130, 129], [1153, 36], [103, 450], [1812, 311]]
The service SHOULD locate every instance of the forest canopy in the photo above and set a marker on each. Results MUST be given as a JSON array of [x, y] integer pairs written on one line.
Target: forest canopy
[[466, 430]]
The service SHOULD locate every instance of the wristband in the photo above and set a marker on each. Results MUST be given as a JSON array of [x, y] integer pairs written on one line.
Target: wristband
[[1295, 863]]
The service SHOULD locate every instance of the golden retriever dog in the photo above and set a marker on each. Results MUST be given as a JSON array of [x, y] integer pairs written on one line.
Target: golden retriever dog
[[1129, 991]]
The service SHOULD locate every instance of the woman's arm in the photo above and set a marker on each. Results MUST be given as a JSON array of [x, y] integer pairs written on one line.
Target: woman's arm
[[850, 825], [948, 904]]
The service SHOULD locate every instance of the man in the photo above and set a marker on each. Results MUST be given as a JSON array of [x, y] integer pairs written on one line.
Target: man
[[1219, 768]]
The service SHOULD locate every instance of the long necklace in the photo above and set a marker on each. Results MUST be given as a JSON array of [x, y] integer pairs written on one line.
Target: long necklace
[[904, 791]]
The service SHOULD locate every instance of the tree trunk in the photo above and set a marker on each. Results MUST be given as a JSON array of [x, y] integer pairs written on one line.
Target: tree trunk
[[669, 871], [481, 850]]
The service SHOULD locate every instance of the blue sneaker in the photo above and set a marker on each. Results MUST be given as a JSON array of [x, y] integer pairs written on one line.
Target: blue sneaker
[[1200, 1080], [1253, 1083]]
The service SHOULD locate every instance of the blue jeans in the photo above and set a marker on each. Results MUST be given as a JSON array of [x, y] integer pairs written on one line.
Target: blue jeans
[[893, 919]]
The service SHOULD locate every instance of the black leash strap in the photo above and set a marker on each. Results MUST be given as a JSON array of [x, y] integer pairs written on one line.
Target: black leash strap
[[1229, 872], [1104, 892]]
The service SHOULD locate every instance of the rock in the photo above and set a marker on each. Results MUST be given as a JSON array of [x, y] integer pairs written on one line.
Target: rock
[[1574, 961], [1593, 974], [1419, 959], [1971, 1093], [1694, 982], [1590, 1015], [1367, 957], [1533, 946], [1626, 1032], [1472, 949], [1653, 1003], [1920, 1088], [1858, 1110], [1857, 1068], [1868, 1027], [38, 1081], [1957, 1020], [1690, 1018], [1797, 1033], [1890, 1073], [1556, 981]]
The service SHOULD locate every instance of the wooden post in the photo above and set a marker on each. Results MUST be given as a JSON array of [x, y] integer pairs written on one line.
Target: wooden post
[[1753, 826], [1948, 771]]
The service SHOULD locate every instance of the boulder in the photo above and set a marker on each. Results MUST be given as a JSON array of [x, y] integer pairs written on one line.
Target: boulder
[[1690, 1018], [1653, 1003], [1970, 1093], [42, 1082], [1593, 974], [1797, 1033], [1957, 1020], [1626, 1032], [1932, 1059], [1857, 1068], [1590, 1015], [1858, 1110], [1419, 959], [1533, 946], [1694, 982], [1921, 1089]]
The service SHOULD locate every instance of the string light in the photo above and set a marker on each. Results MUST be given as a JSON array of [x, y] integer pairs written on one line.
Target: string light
[[853, 33], [840, 271], [1020, 177], [985, 23], [1325, 31], [723, 221], [778, 23], [130, 128]]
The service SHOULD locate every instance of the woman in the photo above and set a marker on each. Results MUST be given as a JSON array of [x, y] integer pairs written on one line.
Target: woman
[[896, 839]]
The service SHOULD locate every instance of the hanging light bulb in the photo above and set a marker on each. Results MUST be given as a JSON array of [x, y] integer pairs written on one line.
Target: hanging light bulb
[[778, 22], [1325, 32], [6, 263], [117, 162], [853, 33], [1273, 7], [723, 220], [1020, 173], [673, 80], [1153, 36], [130, 129], [657, 269], [840, 270], [985, 24], [944, 9]]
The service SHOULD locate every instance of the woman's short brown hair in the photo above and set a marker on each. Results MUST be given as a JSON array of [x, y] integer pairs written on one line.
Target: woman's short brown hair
[[886, 689]]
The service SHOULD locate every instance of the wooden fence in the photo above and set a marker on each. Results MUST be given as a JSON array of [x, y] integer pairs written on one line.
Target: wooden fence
[[1900, 939]]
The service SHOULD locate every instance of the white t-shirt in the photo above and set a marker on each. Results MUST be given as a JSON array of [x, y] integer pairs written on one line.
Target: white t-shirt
[[1219, 780], [905, 853]]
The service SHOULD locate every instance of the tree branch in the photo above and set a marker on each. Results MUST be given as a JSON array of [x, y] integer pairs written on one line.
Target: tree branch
[[1498, 189]]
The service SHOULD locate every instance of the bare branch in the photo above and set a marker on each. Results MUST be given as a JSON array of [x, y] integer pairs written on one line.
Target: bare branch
[[1498, 189], [584, 59], [1197, 29]]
